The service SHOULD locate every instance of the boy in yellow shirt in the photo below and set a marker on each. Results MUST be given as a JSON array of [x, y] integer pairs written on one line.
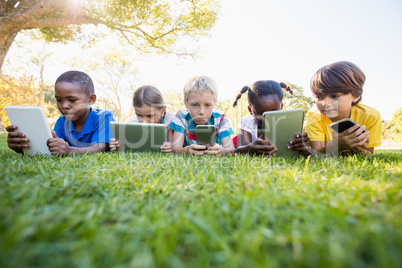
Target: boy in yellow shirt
[[338, 89]]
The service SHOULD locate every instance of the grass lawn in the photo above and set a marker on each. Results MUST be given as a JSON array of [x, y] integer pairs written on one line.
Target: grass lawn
[[154, 210]]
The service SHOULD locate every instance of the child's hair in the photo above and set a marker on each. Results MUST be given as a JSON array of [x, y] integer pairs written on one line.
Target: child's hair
[[339, 77], [148, 95], [200, 84], [78, 78], [263, 88]]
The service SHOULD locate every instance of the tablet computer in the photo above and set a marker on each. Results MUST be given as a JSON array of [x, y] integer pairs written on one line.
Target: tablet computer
[[281, 126], [136, 137], [31, 121]]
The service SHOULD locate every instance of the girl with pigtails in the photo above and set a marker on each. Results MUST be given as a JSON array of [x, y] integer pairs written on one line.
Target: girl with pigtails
[[264, 96]]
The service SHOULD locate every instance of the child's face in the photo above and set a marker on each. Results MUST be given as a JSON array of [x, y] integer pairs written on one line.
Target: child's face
[[71, 101], [200, 107], [148, 114], [335, 106], [264, 104]]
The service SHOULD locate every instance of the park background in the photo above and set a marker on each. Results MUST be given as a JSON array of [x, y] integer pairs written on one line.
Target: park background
[[254, 40], [160, 210]]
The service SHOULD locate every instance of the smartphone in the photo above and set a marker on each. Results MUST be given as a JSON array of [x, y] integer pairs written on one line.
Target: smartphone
[[342, 125], [205, 135]]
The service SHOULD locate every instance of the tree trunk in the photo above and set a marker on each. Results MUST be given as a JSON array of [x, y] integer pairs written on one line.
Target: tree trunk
[[5, 44], [28, 16]]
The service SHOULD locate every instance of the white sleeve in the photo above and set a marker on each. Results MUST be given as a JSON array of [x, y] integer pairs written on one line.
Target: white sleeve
[[247, 123], [134, 119]]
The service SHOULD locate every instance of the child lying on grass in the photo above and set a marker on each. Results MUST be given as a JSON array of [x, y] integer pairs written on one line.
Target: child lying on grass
[[80, 129], [200, 96], [338, 89], [150, 107], [264, 96]]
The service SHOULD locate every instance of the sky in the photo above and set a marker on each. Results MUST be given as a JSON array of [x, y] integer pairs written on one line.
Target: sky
[[286, 40], [290, 40]]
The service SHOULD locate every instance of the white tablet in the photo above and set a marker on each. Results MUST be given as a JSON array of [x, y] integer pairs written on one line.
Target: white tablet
[[32, 122], [136, 137]]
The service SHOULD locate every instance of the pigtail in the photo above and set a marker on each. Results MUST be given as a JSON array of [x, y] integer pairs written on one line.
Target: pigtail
[[286, 87], [242, 91]]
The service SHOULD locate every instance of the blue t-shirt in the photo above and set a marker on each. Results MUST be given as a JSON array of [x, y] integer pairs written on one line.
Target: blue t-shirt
[[96, 129]]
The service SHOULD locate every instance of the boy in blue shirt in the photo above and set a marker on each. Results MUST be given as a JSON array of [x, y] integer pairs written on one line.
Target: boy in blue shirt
[[80, 129]]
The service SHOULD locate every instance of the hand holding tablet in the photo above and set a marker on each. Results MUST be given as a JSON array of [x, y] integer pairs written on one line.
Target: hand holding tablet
[[29, 123]]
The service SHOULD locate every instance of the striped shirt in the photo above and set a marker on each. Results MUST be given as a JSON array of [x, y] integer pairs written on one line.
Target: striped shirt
[[183, 123]]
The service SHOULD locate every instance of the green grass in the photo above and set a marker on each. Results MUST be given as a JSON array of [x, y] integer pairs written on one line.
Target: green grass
[[154, 210]]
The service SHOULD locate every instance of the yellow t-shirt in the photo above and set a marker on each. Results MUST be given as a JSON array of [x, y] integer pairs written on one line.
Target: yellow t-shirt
[[318, 129]]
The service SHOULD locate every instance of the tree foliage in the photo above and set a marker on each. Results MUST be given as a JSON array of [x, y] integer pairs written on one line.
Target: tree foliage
[[393, 128], [298, 100], [149, 25], [114, 75], [25, 92]]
